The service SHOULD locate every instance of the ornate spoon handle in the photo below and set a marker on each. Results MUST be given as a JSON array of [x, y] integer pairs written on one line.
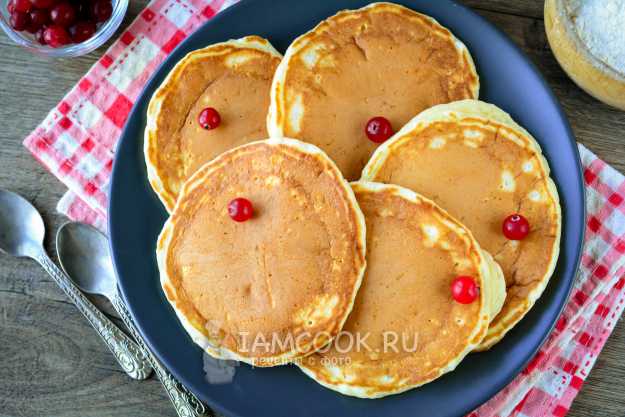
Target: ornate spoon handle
[[130, 357], [185, 403]]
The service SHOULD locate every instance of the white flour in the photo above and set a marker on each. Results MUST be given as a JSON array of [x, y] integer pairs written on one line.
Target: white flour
[[600, 24]]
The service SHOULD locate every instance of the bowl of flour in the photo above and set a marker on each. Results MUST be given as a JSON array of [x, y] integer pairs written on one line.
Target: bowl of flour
[[587, 38]]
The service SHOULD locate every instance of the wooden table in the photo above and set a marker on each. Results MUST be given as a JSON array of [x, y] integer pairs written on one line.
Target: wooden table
[[53, 364]]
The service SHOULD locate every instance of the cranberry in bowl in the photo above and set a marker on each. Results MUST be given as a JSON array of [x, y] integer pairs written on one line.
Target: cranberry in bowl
[[61, 28]]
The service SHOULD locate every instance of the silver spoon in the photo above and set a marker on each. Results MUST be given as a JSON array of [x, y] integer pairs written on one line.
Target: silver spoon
[[84, 255], [21, 234]]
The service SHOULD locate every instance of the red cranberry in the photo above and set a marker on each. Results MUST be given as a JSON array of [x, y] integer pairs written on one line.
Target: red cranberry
[[464, 289], [39, 36], [82, 31], [38, 19], [515, 227], [19, 21], [378, 129], [56, 36], [209, 118], [23, 6], [240, 209], [43, 4], [63, 14], [102, 10]]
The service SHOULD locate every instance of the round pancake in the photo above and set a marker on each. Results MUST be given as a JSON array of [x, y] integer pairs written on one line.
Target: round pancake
[[289, 273], [414, 252], [381, 60], [476, 162], [233, 77]]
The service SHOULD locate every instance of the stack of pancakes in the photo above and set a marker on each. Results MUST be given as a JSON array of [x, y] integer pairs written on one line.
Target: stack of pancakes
[[349, 281]]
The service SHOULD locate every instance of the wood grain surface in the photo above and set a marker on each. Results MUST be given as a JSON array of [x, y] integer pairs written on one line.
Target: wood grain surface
[[53, 364]]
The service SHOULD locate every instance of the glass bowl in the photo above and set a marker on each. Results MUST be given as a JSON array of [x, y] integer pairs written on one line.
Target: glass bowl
[[103, 33]]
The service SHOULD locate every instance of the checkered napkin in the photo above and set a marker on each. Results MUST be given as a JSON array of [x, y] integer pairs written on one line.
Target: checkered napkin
[[76, 143]]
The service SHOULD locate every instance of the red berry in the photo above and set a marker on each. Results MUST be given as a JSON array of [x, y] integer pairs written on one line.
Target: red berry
[[63, 14], [56, 36], [19, 21], [102, 10], [515, 227], [464, 289], [38, 19], [209, 118], [43, 4], [82, 31], [379, 129], [240, 209], [39, 36], [23, 6]]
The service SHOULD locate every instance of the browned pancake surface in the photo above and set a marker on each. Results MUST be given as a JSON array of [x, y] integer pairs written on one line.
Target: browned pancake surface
[[414, 251], [382, 60], [482, 170], [292, 269], [232, 77]]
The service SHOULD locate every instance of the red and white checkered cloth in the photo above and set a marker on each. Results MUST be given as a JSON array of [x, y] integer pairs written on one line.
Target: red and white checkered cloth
[[76, 143]]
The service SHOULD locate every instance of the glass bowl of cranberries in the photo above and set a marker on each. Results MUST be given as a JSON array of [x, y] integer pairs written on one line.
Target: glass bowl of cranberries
[[61, 28]]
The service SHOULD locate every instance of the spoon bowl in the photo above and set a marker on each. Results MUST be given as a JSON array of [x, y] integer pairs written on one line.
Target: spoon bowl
[[84, 255], [21, 226], [21, 234]]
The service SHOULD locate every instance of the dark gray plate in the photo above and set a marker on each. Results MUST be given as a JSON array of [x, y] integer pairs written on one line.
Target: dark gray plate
[[136, 216]]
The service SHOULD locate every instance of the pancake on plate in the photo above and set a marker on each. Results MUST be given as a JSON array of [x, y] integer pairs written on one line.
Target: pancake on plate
[[383, 60], [233, 79], [476, 162], [279, 285], [415, 251]]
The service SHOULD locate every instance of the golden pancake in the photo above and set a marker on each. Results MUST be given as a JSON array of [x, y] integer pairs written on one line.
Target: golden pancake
[[410, 327], [476, 162], [232, 77], [381, 60], [261, 291]]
